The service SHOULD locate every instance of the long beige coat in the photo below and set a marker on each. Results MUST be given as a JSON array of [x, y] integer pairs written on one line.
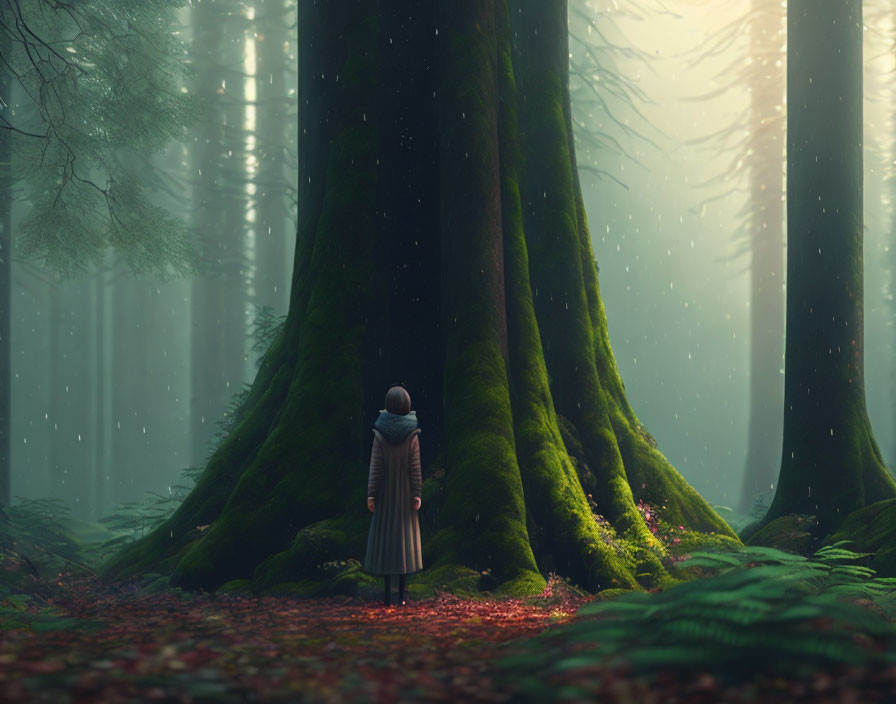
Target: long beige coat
[[393, 544]]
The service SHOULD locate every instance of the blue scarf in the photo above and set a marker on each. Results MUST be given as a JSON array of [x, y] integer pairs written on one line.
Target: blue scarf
[[395, 428]]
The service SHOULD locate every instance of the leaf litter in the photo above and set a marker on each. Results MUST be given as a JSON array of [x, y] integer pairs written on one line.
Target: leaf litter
[[84, 641]]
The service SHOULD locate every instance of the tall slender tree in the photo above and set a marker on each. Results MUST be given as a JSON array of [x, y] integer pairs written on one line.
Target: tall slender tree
[[129, 364], [889, 254], [830, 463], [765, 229], [606, 104], [5, 275], [890, 242], [273, 182], [98, 372], [218, 298], [90, 92], [442, 242], [57, 340], [754, 145]]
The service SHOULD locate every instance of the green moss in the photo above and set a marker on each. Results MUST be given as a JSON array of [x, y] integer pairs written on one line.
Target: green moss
[[447, 577], [561, 303], [830, 475], [315, 552], [527, 583], [484, 493], [289, 482], [615, 459], [612, 593], [442, 548], [484, 496], [339, 577], [795, 533], [236, 586], [353, 581], [694, 540], [568, 540], [305, 588], [872, 529], [656, 482]]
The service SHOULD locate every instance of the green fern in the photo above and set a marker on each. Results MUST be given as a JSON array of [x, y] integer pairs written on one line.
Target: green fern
[[134, 519], [38, 539], [761, 611]]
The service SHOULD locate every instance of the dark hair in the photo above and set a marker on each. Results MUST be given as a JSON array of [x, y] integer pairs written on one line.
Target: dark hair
[[398, 401]]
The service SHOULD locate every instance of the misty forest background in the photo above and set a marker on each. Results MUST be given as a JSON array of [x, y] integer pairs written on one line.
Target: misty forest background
[[120, 382]]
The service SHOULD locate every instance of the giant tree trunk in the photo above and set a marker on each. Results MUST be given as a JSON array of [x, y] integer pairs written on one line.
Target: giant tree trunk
[[766, 231], [830, 462], [442, 243]]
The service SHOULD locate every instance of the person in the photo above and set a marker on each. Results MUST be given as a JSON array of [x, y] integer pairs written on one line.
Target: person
[[394, 494]]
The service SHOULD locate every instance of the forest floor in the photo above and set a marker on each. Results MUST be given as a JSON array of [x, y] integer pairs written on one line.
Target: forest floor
[[78, 640]]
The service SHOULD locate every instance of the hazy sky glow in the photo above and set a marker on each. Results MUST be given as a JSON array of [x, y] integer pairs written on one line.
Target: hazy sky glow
[[675, 288]]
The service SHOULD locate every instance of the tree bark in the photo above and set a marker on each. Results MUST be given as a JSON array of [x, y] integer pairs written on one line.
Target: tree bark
[[442, 243], [830, 462]]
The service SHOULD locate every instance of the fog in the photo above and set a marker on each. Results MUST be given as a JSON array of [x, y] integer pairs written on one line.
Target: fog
[[106, 401], [673, 270]]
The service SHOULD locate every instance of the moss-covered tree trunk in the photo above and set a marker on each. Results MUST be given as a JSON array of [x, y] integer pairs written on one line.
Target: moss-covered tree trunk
[[830, 462], [442, 243]]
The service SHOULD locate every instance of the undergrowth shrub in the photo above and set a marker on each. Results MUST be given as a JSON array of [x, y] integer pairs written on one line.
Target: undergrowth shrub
[[760, 611]]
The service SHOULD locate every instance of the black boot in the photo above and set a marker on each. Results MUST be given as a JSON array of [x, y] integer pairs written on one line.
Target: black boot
[[387, 599], [401, 601]]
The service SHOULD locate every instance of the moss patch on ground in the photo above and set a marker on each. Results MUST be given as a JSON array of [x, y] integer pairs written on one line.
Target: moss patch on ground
[[873, 530], [795, 533], [347, 578]]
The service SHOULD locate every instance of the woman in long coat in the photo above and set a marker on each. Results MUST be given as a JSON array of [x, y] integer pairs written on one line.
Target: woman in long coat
[[394, 491]]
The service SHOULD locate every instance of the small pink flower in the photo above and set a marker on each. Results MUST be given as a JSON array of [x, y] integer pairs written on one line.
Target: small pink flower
[[647, 515], [676, 540]]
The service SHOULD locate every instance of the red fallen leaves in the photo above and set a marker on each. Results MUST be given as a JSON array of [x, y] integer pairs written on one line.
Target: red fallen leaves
[[651, 518], [188, 648], [221, 648]]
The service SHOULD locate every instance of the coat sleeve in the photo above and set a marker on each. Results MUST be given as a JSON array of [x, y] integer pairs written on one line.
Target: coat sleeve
[[416, 476], [375, 476]]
